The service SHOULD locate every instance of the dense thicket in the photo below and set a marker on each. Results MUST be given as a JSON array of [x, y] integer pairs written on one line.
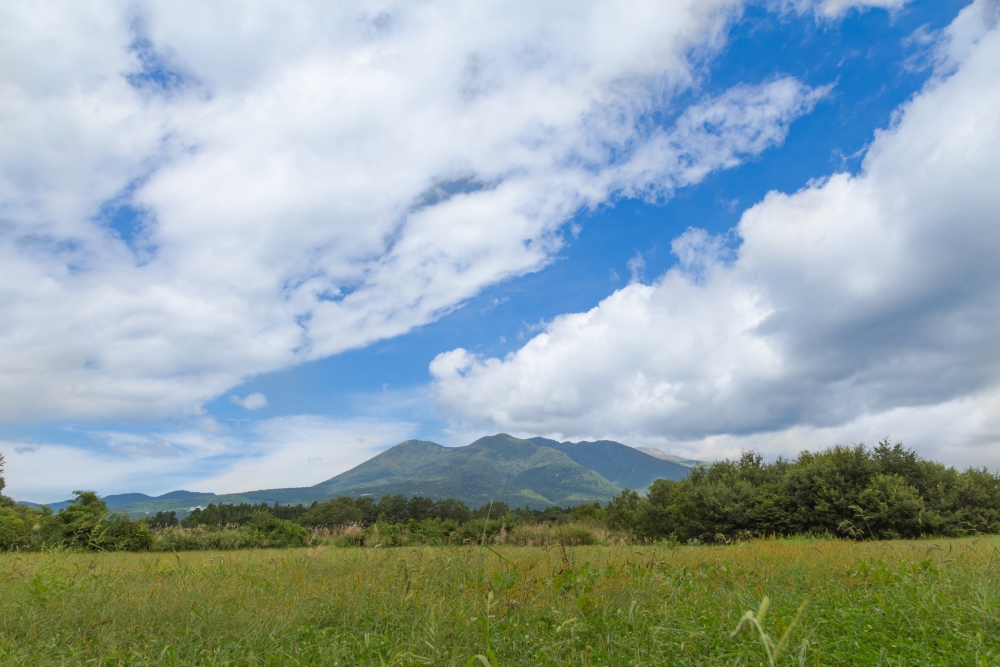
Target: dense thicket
[[859, 492]]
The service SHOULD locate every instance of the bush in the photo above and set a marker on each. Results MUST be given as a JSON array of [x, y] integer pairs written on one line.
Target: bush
[[274, 532], [13, 532]]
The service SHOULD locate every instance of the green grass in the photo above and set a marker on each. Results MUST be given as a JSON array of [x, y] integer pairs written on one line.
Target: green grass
[[885, 603]]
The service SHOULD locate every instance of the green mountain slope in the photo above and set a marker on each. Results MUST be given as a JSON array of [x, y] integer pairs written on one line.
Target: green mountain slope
[[499, 467], [403, 459], [621, 465]]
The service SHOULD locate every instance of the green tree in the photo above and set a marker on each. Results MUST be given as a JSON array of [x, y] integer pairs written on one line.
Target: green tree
[[453, 510], [339, 512], [392, 509], [87, 523], [369, 511], [420, 508], [889, 508], [494, 510], [626, 510], [13, 531], [164, 519]]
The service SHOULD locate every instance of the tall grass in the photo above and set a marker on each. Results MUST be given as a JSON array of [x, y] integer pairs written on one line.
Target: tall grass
[[872, 603]]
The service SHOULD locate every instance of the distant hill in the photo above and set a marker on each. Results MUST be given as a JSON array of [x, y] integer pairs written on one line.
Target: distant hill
[[625, 467], [535, 473], [124, 500]]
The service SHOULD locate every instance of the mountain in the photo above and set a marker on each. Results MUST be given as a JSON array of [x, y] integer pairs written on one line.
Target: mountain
[[401, 460], [623, 466], [535, 473], [499, 467], [660, 454]]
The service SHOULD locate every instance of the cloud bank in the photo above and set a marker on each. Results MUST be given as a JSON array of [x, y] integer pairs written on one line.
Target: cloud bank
[[860, 303], [193, 194]]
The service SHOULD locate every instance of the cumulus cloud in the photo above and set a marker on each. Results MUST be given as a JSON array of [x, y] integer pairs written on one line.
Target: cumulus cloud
[[192, 194], [844, 309], [274, 453]]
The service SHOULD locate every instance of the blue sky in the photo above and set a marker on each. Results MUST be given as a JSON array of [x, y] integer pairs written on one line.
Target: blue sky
[[238, 274]]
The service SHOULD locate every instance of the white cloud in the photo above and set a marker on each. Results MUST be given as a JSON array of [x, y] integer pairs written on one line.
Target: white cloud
[[276, 453], [835, 8], [253, 401], [858, 307], [311, 177]]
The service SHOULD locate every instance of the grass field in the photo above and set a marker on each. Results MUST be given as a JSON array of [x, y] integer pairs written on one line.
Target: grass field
[[874, 603]]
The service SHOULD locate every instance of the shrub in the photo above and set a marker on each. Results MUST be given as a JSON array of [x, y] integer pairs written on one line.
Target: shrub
[[13, 532], [274, 532]]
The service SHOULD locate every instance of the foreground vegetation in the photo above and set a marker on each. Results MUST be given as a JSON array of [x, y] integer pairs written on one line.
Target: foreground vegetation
[[925, 602]]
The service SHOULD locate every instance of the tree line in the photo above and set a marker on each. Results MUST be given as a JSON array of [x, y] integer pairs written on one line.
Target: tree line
[[366, 511], [853, 492], [856, 492]]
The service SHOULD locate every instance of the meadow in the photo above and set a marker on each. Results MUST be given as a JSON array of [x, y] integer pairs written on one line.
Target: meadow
[[917, 602]]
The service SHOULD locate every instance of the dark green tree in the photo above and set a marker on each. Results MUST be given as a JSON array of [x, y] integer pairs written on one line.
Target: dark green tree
[[369, 511], [420, 508], [164, 520], [392, 509], [339, 512], [495, 510], [453, 510]]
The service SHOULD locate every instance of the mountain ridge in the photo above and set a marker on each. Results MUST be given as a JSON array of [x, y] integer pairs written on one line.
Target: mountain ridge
[[536, 472]]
